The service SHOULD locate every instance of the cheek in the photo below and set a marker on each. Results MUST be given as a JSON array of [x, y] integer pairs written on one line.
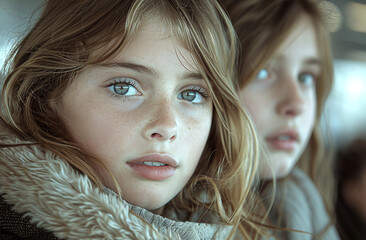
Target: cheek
[[309, 115], [99, 130], [194, 135], [196, 132], [258, 109]]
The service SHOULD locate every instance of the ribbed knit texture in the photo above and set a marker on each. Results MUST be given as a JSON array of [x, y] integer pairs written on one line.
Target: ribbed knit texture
[[299, 206]]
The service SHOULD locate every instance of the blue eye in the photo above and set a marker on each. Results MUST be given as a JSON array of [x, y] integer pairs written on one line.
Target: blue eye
[[124, 87], [263, 74], [193, 96], [306, 79]]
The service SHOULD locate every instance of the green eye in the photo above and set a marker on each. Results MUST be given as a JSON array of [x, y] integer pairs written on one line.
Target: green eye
[[124, 87], [306, 79], [262, 74], [193, 96], [121, 88], [188, 95]]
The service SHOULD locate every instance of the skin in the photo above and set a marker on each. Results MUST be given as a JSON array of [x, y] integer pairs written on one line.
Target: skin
[[282, 100], [165, 110]]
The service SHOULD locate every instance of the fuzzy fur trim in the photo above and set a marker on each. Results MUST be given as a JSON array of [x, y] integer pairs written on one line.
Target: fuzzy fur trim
[[57, 198]]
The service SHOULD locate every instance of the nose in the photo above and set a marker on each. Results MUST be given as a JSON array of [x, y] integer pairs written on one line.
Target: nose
[[291, 102], [162, 124]]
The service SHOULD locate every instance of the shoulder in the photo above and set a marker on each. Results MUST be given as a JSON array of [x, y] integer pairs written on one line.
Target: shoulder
[[302, 205], [298, 190], [308, 189], [291, 204]]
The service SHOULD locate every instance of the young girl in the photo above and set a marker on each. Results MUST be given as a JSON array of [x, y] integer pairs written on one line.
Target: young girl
[[285, 75], [115, 125]]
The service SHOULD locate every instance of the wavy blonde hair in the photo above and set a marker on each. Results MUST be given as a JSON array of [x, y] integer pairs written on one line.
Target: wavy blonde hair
[[71, 35], [262, 26]]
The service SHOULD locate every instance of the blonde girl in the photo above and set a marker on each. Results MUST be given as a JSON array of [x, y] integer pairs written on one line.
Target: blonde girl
[[115, 125], [285, 75]]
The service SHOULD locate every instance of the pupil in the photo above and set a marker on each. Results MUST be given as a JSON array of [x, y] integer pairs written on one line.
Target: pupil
[[121, 88], [190, 96], [305, 79]]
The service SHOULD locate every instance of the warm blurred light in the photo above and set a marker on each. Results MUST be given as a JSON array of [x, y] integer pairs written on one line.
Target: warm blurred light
[[332, 15], [355, 87], [345, 113], [350, 77], [356, 16]]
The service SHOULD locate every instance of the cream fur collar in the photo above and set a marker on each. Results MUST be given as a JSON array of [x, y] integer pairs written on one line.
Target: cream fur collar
[[60, 200]]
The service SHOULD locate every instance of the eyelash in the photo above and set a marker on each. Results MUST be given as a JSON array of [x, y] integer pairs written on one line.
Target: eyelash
[[115, 81], [199, 90]]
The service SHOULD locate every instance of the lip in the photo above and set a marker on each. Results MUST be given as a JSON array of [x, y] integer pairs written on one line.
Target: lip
[[284, 140], [155, 173]]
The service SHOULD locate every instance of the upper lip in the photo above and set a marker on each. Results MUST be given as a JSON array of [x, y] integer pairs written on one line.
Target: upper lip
[[292, 134], [156, 157]]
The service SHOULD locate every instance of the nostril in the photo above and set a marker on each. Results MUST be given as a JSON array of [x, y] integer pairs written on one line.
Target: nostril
[[290, 113], [156, 135], [173, 137], [159, 136], [293, 111]]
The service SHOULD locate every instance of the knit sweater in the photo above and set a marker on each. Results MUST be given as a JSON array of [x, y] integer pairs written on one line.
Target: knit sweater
[[299, 206], [43, 197]]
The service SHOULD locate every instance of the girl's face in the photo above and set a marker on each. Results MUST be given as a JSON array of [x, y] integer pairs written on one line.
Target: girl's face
[[282, 100], [146, 114]]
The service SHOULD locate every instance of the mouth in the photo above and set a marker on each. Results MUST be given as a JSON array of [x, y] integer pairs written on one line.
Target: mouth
[[156, 164], [283, 141], [154, 167]]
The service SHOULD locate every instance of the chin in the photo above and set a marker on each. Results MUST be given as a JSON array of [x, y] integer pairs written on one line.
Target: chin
[[148, 203], [281, 169], [283, 173]]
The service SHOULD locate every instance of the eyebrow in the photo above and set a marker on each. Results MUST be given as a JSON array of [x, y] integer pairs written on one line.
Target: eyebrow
[[132, 66], [148, 70], [313, 61]]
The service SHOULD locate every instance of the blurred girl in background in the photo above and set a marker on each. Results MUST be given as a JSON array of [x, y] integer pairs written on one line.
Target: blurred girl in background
[[285, 75]]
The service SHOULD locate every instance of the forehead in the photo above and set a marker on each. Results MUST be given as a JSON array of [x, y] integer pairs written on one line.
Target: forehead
[[154, 38], [153, 44], [302, 39]]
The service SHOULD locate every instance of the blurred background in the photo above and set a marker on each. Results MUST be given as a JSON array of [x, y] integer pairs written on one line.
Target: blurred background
[[345, 114]]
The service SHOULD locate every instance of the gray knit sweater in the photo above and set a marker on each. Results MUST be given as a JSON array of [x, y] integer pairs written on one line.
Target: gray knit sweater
[[298, 205]]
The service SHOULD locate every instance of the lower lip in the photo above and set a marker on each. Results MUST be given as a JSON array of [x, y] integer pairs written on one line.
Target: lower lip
[[282, 145], [153, 172]]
